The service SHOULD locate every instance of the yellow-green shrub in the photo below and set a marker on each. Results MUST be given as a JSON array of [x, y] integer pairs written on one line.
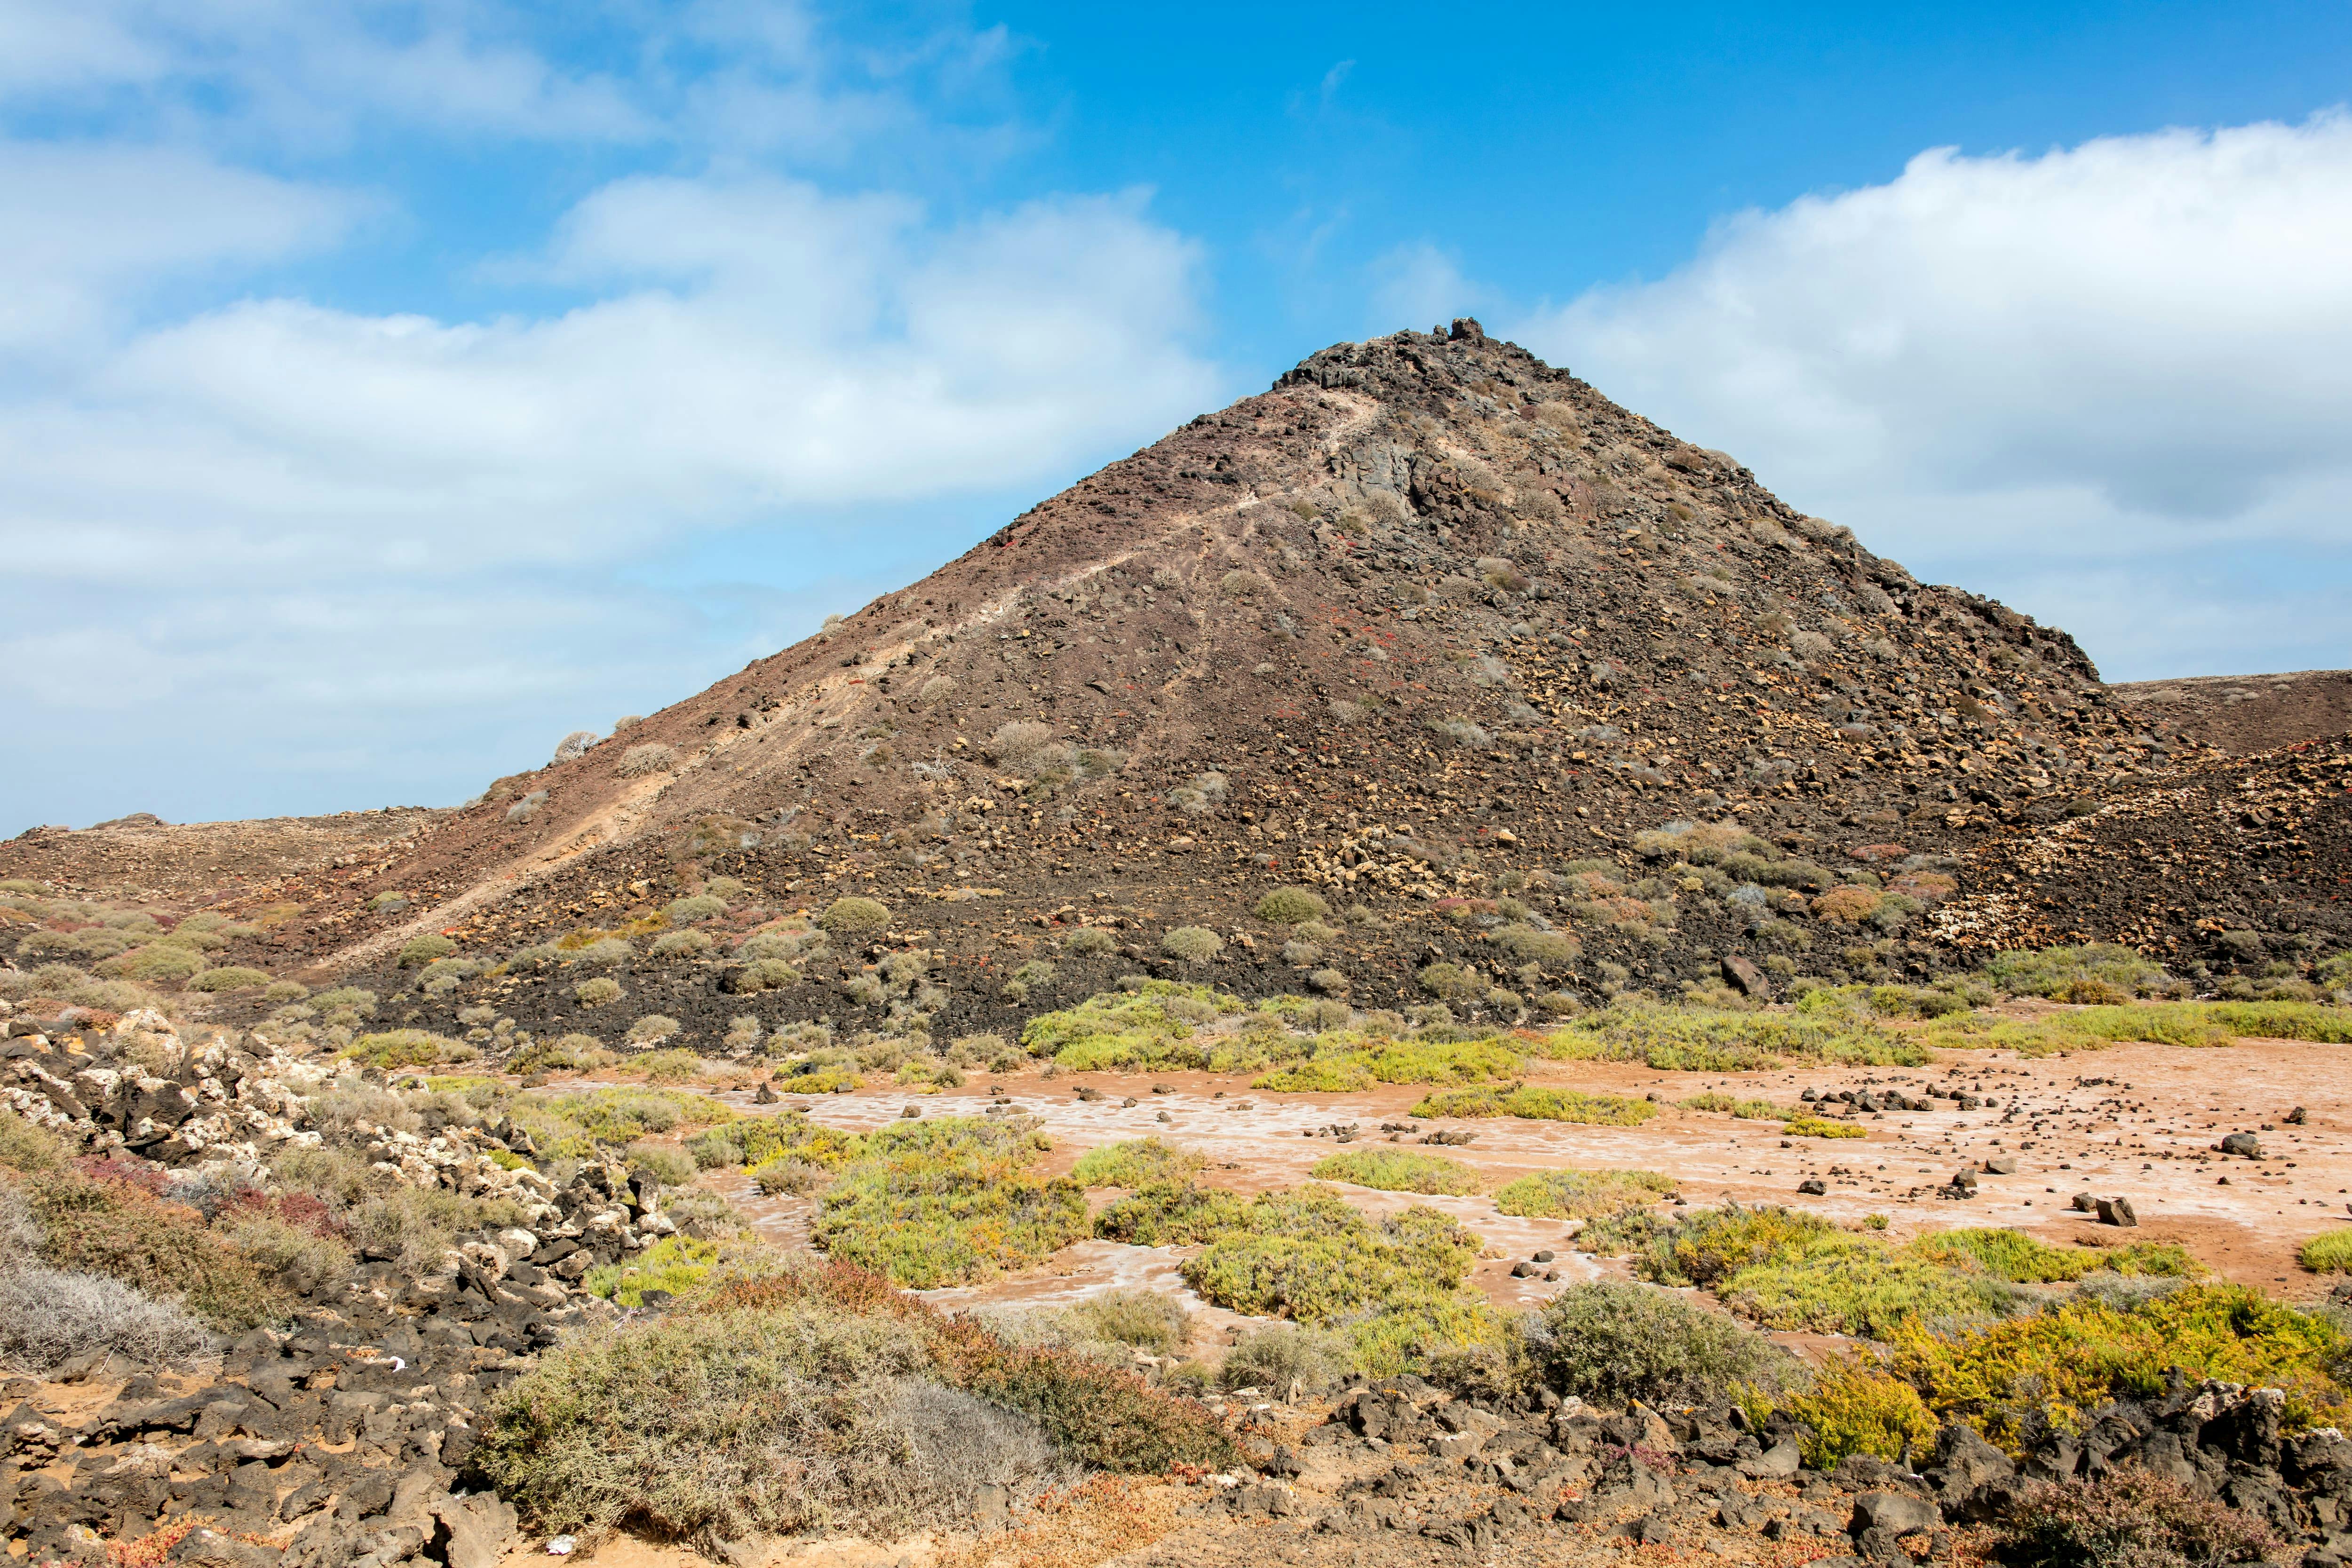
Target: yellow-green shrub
[[1582, 1195], [2060, 1363], [1397, 1170], [2328, 1254], [946, 1201], [1539, 1105], [1856, 1406], [1137, 1162]]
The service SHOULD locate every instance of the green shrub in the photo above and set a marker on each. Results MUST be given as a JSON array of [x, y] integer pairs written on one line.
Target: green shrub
[[1088, 941], [661, 1162], [1822, 1127], [2327, 1254], [1451, 982], [27, 1147], [693, 907], [1310, 1256], [1856, 1406], [1707, 1245], [1531, 944], [1397, 1170], [1283, 1356], [1193, 944], [127, 1233], [230, 977], [1746, 1110], [1609, 1342], [1152, 1027], [680, 944], [1845, 1284], [1539, 1105], [686, 1425], [398, 1048], [2019, 1259], [290, 1257], [1583, 1194], [652, 1028], [1149, 1321], [2008, 1378], [2130, 1518], [947, 1202], [419, 951], [1137, 1162], [1291, 906], [156, 964], [1173, 1214], [855, 916], [2094, 973], [1703, 1040], [601, 991], [674, 1263]]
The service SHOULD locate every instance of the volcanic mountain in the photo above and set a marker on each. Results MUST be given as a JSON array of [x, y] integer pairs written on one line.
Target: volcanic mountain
[[1513, 680]]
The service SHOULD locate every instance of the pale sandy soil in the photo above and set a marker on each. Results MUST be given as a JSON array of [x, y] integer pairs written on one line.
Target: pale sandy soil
[[2136, 1121]]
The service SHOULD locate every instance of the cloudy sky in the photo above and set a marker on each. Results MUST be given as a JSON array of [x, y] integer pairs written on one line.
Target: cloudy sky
[[388, 387]]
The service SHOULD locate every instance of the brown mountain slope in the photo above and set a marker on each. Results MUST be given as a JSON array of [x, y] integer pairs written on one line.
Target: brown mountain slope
[[1427, 623], [2246, 714]]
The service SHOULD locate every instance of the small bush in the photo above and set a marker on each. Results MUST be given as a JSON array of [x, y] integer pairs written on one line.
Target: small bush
[[1283, 1357], [652, 1028], [662, 1163], [51, 1318], [1292, 905], [415, 1226], [1583, 1194], [2328, 1254], [127, 1233], [652, 757], [599, 992], [799, 1418], [1088, 941], [156, 964], [947, 1202], [1397, 1170], [1451, 982], [2015, 1378], [1137, 1163], [681, 943], [855, 916], [394, 1049], [419, 951], [1193, 944], [2013, 1256], [675, 1264], [26, 1148], [2131, 1517], [230, 977], [1855, 1406], [297, 1258], [1822, 1127], [1539, 1105], [1609, 1342], [695, 907], [1149, 1321]]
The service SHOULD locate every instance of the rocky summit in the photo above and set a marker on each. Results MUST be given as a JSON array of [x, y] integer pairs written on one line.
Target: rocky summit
[[1430, 629]]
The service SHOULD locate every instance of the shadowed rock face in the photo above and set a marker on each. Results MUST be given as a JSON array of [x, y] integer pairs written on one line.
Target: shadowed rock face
[[1427, 622]]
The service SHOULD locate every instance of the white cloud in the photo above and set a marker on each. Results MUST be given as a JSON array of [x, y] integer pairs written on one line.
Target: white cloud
[[2133, 356], [93, 227], [1417, 283], [424, 519]]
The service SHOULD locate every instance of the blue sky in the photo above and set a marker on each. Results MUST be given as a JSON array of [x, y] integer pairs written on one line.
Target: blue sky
[[388, 387]]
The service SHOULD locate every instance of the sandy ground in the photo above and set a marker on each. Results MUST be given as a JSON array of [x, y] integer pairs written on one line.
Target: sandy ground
[[2135, 1121]]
